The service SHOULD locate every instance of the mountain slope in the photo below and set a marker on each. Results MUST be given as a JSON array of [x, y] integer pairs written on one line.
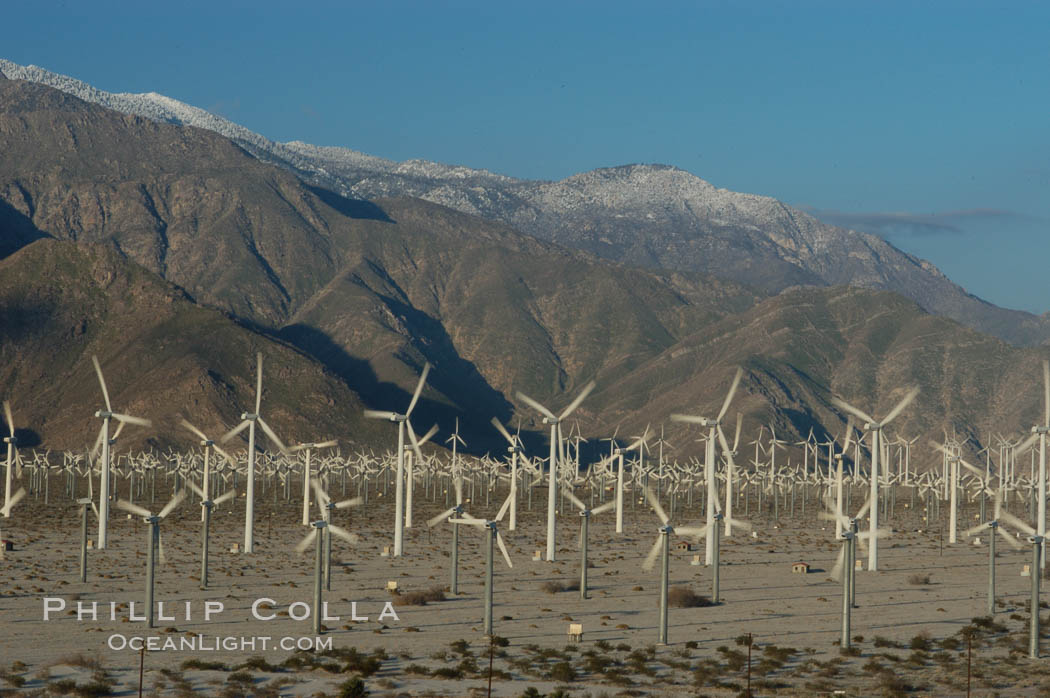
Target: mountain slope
[[163, 357], [647, 215]]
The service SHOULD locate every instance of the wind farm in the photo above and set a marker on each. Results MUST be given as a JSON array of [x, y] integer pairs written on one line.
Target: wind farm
[[643, 610], [292, 420]]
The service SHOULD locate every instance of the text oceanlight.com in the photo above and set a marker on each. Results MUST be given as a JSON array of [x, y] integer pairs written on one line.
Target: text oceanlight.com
[[205, 643]]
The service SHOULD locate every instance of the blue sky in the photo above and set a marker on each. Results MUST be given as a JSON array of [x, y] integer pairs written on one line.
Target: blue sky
[[924, 122]]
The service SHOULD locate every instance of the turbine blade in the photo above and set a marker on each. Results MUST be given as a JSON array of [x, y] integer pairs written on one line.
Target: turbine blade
[[434, 521], [160, 549], [655, 504], [127, 418], [195, 430], [579, 398], [305, 542], [506, 507], [175, 501], [236, 430], [415, 442], [1009, 518], [976, 529], [469, 522], [344, 534], [690, 419], [535, 405], [419, 389], [901, 405], [604, 508], [650, 559], [353, 502], [133, 508], [863, 509], [380, 414], [500, 428], [840, 561], [843, 405], [426, 437], [695, 531], [258, 382], [228, 494], [102, 382], [739, 423], [1016, 544], [273, 437], [503, 549], [196, 490], [729, 395], [15, 499], [575, 500], [9, 418]]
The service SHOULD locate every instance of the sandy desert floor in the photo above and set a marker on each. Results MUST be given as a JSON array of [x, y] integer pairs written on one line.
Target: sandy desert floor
[[909, 636]]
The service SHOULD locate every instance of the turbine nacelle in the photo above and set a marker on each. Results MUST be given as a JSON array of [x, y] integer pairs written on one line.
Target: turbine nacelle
[[249, 416], [104, 414], [1040, 430]]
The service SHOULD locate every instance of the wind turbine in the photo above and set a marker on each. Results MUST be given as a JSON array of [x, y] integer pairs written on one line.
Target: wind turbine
[[206, 507], [308, 447], [327, 506], [993, 527], [585, 515], [12, 454], [618, 452], [249, 420], [311, 537], [514, 449], [1039, 432], [457, 511], [663, 543], [402, 421], [209, 446], [714, 426], [492, 533], [104, 439], [875, 427], [154, 541], [731, 454], [6, 511], [556, 447]]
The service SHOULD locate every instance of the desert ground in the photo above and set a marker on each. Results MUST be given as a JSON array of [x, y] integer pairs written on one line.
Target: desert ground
[[919, 622]]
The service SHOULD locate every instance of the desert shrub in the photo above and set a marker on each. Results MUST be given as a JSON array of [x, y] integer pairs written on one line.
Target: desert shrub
[[684, 597], [62, 687], [921, 642], [259, 664], [461, 647], [919, 579], [418, 598], [563, 672], [553, 587], [447, 672], [735, 659], [353, 688], [418, 669], [498, 641], [81, 660], [886, 642], [240, 677], [94, 688], [852, 651], [204, 666]]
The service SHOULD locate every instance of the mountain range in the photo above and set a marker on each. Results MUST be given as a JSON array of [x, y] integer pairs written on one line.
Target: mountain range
[[351, 293], [655, 216]]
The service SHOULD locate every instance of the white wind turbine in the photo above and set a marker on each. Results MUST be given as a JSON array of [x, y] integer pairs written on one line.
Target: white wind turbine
[[319, 526], [402, 421], [209, 446], [328, 507], [249, 420], [104, 441], [994, 527], [730, 454], [154, 541], [714, 427], [663, 542], [206, 507], [6, 511], [1039, 432], [875, 427], [514, 449], [457, 511], [555, 454], [492, 533], [309, 447], [12, 454], [639, 443], [585, 515]]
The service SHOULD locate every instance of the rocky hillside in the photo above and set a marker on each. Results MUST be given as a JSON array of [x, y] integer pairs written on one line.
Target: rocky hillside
[[645, 215]]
